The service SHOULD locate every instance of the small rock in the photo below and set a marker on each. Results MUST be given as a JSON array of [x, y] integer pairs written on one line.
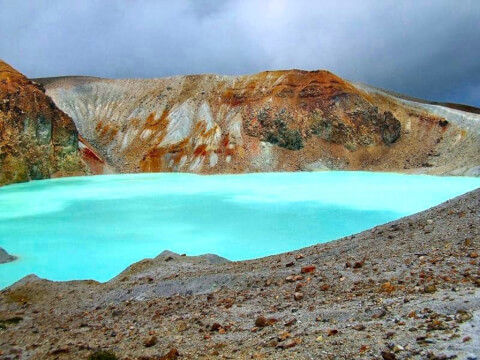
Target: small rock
[[117, 312], [387, 287], [397, 348], [462, 316], [389, 335], [215, 327], [262, 321], [473, 255], [358, 264], [359, 327], [332, 332], [62, 350], [379, 314], [151, 341], [298, 296], [291, 322], [386, 355], [289, 345], [364, 348], [308, 269], [171, 355], [430, 289]]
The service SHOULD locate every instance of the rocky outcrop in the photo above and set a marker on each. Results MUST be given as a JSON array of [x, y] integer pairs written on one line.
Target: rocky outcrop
[[271, 121], [37, 140], [6, 257]]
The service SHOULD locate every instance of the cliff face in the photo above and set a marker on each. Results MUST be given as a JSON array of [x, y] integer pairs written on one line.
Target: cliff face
[[271, 121], [37, 140]]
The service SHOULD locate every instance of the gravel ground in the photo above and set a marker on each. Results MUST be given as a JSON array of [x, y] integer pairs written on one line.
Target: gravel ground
[[404, 290]]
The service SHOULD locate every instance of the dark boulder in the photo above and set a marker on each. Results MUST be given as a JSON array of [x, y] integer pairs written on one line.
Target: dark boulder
[[391, 128], [6, 257]]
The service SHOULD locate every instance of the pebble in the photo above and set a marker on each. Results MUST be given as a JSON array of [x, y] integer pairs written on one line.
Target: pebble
[[291, 322], [171, 355], [288, 345], [298, 296], [308, 269], [462, 316], [215, 327], [397, 348], [332, 332], [150, 341], [429, 289], [261, 321], [358, 264], [386, 355], [379, 314]]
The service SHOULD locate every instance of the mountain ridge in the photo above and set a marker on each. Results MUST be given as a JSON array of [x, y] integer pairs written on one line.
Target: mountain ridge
[[286, 120]]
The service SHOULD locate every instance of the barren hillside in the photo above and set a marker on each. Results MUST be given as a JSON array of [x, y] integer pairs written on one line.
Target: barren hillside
[[271, 121]]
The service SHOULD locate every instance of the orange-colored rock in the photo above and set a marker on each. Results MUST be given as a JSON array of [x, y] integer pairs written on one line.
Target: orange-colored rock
[[308, 269], [37, 140]]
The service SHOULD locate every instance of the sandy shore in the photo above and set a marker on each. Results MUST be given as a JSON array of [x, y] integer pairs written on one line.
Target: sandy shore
[[406, 289]]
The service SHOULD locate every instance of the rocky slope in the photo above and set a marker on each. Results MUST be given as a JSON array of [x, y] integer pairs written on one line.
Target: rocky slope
[[271, 121], [6, 257], [404, 290], [37, 140]]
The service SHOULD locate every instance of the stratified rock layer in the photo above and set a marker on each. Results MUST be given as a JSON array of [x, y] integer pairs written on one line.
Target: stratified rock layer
[[37, 140], [272, 121]]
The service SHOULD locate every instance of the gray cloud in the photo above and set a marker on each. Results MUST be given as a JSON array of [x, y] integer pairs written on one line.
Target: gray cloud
[[429, 49]]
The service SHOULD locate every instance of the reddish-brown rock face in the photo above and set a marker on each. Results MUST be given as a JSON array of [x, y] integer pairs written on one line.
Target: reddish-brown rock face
[[302, 104], [37, 140]]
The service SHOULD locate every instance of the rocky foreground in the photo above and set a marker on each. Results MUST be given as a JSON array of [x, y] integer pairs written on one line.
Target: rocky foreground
[[407, 289]]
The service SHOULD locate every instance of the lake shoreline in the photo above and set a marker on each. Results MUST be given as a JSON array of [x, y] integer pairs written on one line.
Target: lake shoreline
[[67, 228], [408, 288]]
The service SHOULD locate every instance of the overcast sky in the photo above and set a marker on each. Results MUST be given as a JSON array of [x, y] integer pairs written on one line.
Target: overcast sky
[[429, 49]]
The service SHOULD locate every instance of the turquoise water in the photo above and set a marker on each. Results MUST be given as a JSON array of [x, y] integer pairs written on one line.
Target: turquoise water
[[94, 227]]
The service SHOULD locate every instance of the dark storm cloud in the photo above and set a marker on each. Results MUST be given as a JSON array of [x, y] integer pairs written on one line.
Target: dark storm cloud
[[429, 49]]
